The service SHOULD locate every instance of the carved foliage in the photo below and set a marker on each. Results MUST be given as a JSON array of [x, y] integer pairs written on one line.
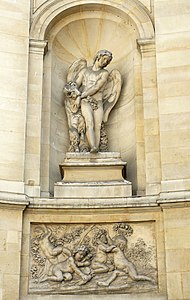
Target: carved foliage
[[93, 258]]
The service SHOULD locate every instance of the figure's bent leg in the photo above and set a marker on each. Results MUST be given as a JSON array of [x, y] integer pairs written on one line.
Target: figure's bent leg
[[58, 277], [98, 117], [135, 276], [113, 276], [99, 268], [67, 276]]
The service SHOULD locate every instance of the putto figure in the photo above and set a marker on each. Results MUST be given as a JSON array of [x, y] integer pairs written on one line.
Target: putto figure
[[75, 119], [99, 91]]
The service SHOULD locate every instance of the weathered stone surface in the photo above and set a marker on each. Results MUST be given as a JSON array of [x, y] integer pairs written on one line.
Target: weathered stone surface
[[149, 126], [93, 176], [86, 167]]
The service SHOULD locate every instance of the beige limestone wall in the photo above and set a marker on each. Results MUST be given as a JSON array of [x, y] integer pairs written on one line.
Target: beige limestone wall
[[10, 250], [59, 139], [151, 117], [173, 68], [34, 117], [139, 127], [177, 247], [46, 117], [159, 123], [14, 33]]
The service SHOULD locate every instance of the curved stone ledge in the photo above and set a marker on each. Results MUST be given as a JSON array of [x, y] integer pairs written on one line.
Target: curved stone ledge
[[70, 203]]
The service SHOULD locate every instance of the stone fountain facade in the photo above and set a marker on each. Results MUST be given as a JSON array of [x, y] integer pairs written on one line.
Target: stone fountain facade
[[88, 225]]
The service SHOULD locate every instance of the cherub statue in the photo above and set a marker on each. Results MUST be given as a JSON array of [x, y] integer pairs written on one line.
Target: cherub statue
[[99, 92], [75, 119]]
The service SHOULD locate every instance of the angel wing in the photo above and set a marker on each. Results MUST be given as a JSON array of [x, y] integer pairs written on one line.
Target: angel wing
[[111, 92], [75, 69]]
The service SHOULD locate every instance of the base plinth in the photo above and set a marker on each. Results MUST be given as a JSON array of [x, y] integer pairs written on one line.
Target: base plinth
[[89, 175]]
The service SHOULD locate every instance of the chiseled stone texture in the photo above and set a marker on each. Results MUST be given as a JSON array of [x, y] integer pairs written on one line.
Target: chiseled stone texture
[[10, 250], [14, 32], [92, 176], [173, 68], [149, 127], [177, 245]]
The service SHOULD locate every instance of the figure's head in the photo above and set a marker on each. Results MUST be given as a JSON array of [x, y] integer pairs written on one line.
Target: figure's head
[[80, 253], [103, 57], [100, 237], [120, 241], [71, 90], [104, 239]]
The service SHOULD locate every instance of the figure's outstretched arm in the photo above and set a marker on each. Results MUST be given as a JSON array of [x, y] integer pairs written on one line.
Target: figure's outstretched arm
[[107, 248]]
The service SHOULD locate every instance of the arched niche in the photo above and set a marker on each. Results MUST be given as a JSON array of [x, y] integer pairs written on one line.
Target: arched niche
[[80, 31]]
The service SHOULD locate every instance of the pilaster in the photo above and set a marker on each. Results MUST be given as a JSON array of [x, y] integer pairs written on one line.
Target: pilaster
[[151, 116], [34, 111]]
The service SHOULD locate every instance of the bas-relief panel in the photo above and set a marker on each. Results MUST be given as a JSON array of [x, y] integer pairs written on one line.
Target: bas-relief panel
[[93, 258]]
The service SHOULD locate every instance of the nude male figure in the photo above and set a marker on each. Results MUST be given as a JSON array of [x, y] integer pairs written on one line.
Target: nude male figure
[[92, 81], [103, 248]]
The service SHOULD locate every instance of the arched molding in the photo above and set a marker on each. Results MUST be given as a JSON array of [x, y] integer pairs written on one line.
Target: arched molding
[[49, 13]]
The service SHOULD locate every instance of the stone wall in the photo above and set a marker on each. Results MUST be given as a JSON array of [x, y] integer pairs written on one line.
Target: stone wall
[[10, 249], [172, 31], [176, 227], [14, 31], [150, 127]]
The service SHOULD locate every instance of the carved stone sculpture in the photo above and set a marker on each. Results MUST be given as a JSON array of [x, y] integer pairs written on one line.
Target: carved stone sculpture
[[91, 93], [84, 258], [76, 121]]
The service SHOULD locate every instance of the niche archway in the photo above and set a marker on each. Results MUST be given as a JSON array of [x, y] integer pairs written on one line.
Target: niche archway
[[79, 31]]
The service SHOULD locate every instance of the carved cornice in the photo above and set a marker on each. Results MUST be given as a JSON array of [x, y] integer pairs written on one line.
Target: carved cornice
[[14, 204], [146, 45], [134, 204], [38, 46]]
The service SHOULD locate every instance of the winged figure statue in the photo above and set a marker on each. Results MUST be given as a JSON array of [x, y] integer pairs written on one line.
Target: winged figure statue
[[93, 91]]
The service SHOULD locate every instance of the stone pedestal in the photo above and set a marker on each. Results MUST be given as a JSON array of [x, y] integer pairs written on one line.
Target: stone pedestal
[[89, 175]]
